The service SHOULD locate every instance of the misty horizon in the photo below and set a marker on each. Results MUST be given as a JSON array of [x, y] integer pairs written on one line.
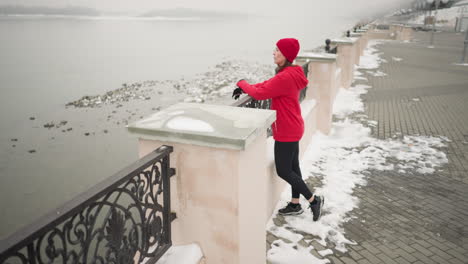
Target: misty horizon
[[296, 9], [87, 11]]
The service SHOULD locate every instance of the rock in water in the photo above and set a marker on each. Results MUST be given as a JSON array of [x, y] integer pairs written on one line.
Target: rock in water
[[49, 125]]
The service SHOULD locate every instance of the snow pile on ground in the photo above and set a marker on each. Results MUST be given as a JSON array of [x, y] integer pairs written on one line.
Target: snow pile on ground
[[358, 76], [445, 17], [342, 161], [371, 59], [377, 74], [283, 252], [349, 101], [187, 254]]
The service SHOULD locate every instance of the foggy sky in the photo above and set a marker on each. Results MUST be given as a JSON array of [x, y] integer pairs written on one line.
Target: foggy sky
[[261, 7]]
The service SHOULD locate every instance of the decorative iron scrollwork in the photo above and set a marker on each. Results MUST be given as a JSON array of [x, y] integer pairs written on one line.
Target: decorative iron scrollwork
[[126, 222]]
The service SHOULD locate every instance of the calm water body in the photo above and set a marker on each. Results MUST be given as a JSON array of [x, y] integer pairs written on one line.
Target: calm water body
[[47, 62]]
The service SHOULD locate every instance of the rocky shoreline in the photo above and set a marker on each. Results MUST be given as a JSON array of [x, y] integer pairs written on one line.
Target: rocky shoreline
[[220, 82], [123, 94], [208, 86]]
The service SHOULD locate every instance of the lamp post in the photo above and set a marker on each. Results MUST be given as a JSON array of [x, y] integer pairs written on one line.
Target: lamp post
[[426, 10], [434, 21], [465, 47]]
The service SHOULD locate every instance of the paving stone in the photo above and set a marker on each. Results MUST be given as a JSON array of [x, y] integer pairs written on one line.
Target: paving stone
[[407, 256], [456, 261], [440, 253], [387, 251], [347, 260], [371, 257], [405, 247], [456, 254], [355, 255], [438, 259], [422, 250], [401, 260], [317, 245], [386, 259], [335, 260], [371, 248], [364, 261], [421, 257]]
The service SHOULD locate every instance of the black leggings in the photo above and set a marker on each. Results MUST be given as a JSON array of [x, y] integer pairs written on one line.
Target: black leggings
[[287, 167]]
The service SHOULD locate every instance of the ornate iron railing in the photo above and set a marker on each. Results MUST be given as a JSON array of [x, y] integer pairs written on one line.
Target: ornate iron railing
[[249, 102], [303, 93], [124, 219], [383, 27]]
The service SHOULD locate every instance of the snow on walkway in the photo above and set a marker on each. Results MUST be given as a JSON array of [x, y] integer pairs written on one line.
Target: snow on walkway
[[341, 160]]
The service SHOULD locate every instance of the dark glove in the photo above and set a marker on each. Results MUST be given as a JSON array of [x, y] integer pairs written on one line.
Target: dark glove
[[236, 93]]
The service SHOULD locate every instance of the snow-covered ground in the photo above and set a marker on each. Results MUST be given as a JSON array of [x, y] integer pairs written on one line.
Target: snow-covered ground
[[186, 254], [445, 17], [341, 160]]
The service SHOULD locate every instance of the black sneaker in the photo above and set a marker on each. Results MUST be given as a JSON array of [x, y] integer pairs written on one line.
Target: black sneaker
[[316, 207], [291, 209]]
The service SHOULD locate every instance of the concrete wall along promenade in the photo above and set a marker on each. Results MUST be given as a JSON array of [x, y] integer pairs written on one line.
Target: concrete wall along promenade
[[395, 32], [348, 50]]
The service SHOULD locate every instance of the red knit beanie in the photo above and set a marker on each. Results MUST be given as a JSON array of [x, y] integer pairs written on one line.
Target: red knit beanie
[[289, 47]]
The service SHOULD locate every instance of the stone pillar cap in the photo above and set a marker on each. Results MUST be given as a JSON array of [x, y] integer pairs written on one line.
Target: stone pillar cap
[[344, 41], [356, 34], [313, 56], [216, 126]]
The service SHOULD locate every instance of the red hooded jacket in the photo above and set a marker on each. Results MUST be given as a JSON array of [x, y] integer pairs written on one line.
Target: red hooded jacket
[[283, 89]]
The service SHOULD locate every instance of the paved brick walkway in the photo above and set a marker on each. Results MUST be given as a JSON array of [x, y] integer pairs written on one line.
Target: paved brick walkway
[[416, 218]]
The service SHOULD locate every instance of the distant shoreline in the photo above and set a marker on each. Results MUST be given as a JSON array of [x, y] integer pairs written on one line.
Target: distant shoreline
[[177, 14], [41, 10], [103, 17]]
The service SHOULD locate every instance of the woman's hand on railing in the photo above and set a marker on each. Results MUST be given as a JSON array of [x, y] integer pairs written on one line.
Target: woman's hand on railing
[[237, 93]]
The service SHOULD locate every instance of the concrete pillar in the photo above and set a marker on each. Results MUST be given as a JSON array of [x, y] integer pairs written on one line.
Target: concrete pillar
[[359, 46], [346, 59], [220, 156], [407, 33], [364, 39], [395, 31], [324, 78]]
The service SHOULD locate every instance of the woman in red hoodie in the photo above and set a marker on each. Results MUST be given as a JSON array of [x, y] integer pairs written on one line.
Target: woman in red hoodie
[[284, 89]]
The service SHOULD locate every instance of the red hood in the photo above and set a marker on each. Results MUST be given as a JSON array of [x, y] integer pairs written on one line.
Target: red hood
[[298, 76]]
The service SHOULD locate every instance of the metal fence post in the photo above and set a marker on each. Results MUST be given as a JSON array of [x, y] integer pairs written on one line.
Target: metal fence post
[[434, 21]]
